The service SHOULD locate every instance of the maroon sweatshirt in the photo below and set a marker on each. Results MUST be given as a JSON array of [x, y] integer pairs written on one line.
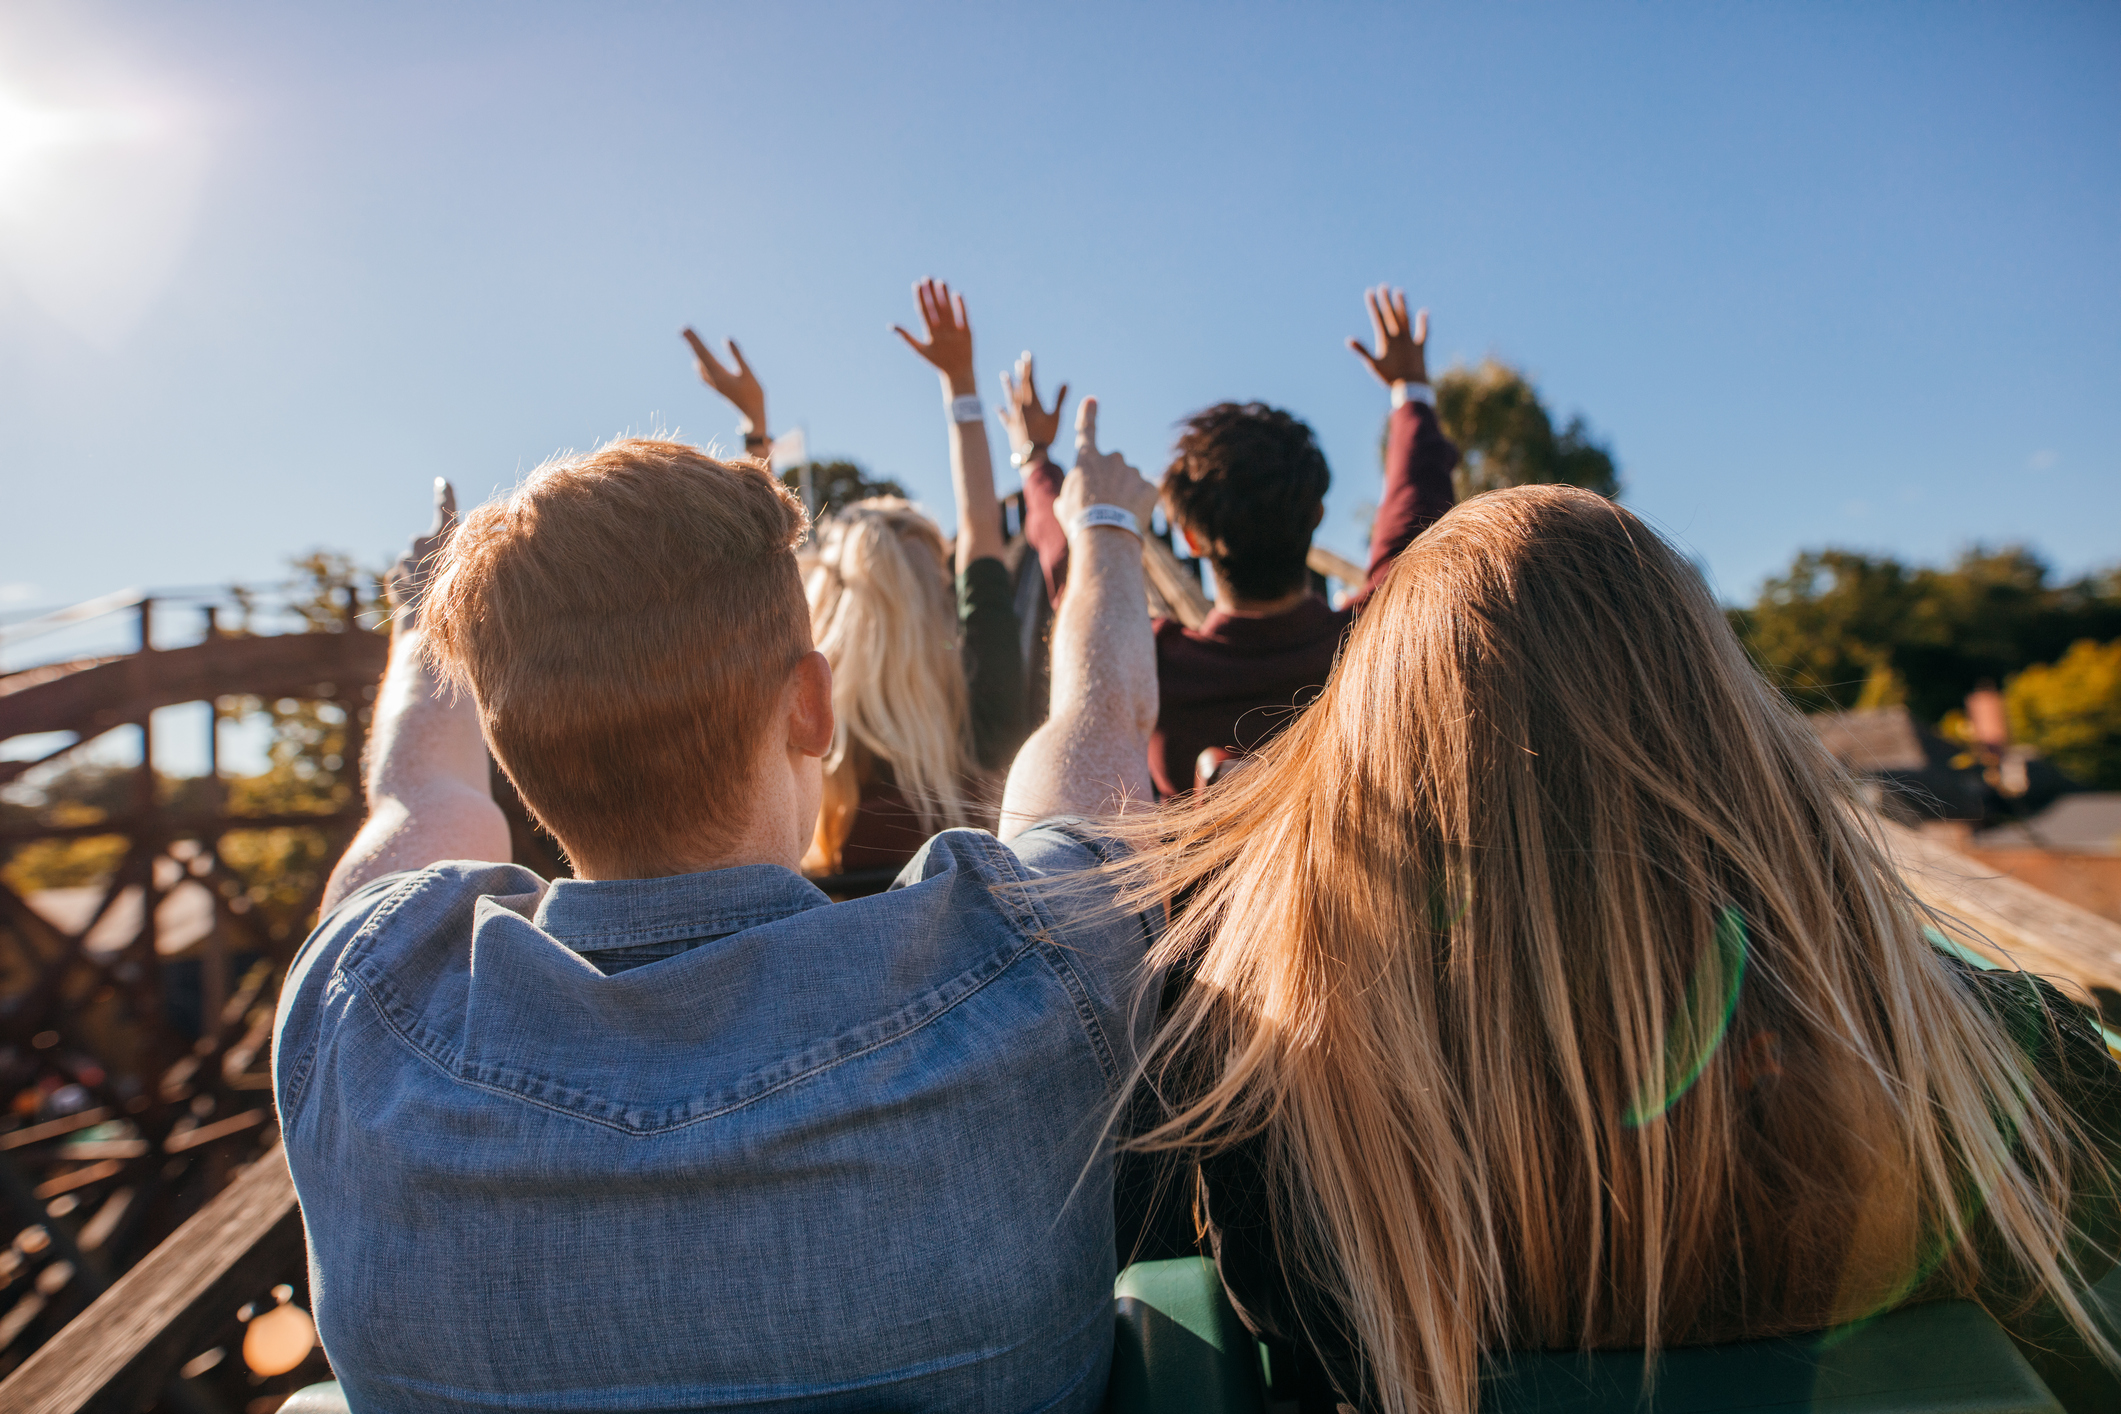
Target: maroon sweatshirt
[[1236, 681]]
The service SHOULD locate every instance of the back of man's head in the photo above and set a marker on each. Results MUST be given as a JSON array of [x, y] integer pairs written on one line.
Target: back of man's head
[[626, 622], [1248, 484]]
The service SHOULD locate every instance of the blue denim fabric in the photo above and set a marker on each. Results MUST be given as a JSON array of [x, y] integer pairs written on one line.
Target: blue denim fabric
[[714, 1142]]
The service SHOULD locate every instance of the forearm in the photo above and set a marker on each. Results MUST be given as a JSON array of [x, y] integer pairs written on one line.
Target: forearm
[[979, 521], [1042, 528], [429, 791], [1418, 490], [1091, 756]]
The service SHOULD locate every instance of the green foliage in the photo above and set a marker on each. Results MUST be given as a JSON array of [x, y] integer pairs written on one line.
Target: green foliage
[[1843, 627], [840, 483], [2071, 711], [1495, 416]]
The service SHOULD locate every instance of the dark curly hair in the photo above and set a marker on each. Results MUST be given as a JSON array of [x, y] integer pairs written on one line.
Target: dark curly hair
[[1249, 482]]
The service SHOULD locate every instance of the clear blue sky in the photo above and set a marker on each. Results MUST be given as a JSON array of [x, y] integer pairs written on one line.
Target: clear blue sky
[[1819, 273]]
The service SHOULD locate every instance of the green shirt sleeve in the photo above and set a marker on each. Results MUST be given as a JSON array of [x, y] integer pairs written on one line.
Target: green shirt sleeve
[[993, 657]]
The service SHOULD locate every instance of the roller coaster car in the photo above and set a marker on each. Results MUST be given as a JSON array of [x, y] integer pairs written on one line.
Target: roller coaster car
[[1180, 1349]]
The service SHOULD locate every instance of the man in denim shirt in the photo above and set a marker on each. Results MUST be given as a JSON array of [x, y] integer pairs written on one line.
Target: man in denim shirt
[[680, 1133]]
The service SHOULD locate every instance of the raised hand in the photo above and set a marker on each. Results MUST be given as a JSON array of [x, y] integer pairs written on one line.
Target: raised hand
[[406, 584], [1031, 427], [1401, 355], [949, 346], [740, 385], [1101, 478]]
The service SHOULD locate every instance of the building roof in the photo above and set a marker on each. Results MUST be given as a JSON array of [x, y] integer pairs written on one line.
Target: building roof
[[1868, 742], [2088, 822]]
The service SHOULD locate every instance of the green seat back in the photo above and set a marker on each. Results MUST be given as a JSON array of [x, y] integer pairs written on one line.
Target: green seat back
[[1943, 1357], [1178, 1347], [316, 1399]]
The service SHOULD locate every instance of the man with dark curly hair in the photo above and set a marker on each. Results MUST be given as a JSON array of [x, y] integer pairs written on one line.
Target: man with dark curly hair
[[1247, 488]]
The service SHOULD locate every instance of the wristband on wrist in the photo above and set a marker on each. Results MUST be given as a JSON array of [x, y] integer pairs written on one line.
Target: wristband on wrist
[[1024, 456], [967, 409], [1404, 393], [1116, 516]]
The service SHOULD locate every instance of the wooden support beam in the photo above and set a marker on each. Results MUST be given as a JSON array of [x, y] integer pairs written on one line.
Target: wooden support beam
[[1325, 562], [2020, 924], [131, 1340], [1174, 583]]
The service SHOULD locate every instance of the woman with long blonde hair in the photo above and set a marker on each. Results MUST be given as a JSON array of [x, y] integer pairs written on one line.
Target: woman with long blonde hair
[[927, 683], [1543, 987]]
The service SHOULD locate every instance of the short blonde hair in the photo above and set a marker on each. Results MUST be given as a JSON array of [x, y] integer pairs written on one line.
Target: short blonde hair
[[625, 621]]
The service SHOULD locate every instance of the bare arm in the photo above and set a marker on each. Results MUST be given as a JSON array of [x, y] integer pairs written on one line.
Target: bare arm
[[1418, 457], [429, 794], [949, 350], [1091, 756]]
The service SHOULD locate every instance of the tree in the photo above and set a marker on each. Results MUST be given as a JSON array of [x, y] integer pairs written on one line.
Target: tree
[[1843, 627], [840, 483], [1495, 416], [2071, 710]]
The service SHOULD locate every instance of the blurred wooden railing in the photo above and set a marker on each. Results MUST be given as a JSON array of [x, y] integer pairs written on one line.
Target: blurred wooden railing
[[132, 1341]]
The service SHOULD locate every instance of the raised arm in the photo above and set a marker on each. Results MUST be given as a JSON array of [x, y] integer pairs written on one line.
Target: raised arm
[[1091, 756], [949, 350], [430, 796], [1419, 459], [1031, 429], [742, 388]]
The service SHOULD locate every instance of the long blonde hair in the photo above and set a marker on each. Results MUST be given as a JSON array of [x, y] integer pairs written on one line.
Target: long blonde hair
[[883, 613], [1568, 998]]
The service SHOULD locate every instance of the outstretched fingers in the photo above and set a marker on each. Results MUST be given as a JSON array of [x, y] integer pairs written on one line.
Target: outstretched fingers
[[710, 369], [1366, 356], [1421, 329], [445, 506]]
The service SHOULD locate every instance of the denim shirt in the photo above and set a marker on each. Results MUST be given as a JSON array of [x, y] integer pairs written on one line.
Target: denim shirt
[[713, 1141]]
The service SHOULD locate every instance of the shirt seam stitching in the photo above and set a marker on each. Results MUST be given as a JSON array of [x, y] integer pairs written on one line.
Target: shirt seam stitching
[[390, 1024]]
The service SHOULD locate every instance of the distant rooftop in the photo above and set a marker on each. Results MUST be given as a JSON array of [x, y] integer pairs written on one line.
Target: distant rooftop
[[2086, 823], [1875, 741]]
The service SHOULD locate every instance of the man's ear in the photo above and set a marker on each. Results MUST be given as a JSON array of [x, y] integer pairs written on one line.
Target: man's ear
[[809, 699]]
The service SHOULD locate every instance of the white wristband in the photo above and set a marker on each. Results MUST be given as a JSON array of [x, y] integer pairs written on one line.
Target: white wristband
[[967, 409], [1404, 393], [1105, 515]]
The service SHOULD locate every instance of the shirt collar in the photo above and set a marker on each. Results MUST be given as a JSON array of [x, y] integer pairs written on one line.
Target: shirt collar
[[592, 914], [1292, 625]]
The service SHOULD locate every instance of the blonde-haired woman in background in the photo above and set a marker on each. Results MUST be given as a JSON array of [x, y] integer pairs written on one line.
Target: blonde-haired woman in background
[[927, 682], [1542, 987]]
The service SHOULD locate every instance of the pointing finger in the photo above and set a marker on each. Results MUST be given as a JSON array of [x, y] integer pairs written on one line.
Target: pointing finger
[[1086, 429]]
